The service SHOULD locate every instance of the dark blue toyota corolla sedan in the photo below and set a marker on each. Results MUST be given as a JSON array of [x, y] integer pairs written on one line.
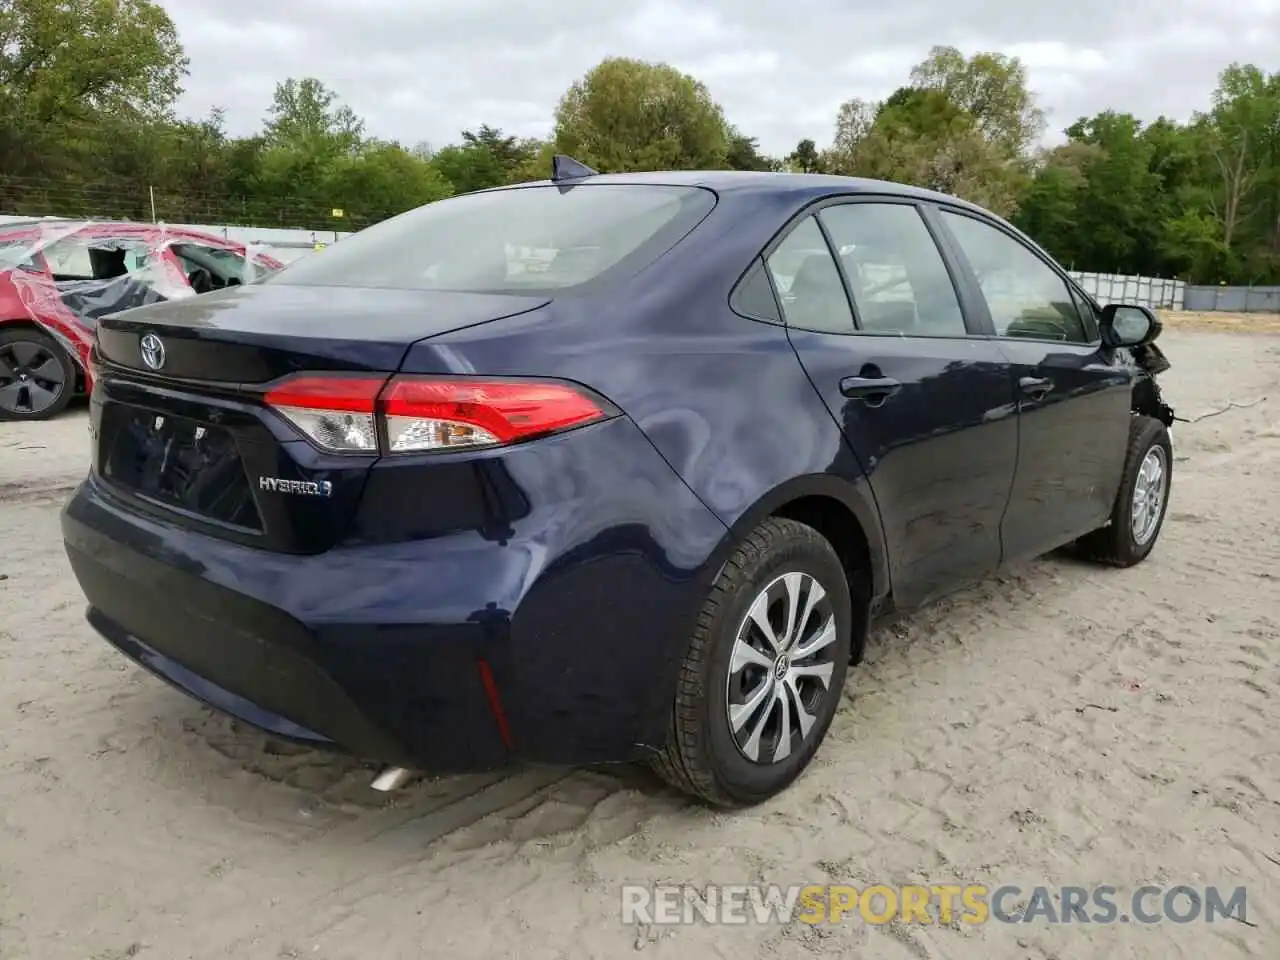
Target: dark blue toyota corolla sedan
[[603, 468]]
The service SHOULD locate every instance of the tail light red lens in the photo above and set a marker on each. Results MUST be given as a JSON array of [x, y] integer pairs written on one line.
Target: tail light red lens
[[424, 414], [337, 413], [444, 414]]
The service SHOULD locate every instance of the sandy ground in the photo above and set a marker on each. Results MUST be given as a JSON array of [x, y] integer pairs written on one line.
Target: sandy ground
[[1061, 725], [1238, 322]]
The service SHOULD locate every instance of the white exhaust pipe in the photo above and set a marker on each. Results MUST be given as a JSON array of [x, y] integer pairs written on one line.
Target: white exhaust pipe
[[391, 778]]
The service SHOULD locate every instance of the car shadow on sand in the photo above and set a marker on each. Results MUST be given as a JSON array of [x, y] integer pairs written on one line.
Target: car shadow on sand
[[289, 788]]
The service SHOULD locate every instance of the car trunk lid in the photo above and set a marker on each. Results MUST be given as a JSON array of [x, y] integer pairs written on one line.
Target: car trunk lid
[[183, 429], [256, 333]]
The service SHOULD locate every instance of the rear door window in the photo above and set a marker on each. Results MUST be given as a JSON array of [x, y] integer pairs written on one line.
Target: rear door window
[[897, 276], [808, 281], [525, 240], [753, 296]]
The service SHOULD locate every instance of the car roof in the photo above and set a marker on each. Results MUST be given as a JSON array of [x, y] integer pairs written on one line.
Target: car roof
[[94, 228], [27, 224], [799, 185], [32, 229]]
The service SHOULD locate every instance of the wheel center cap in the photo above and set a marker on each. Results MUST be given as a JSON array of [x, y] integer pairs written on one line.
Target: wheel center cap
[[780, 667], [22, 376]]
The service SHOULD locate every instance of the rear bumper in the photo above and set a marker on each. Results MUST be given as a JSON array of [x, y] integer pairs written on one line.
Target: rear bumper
[[343, 688], [558, 644]]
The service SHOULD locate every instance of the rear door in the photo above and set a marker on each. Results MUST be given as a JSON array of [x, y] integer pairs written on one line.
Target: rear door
[[1073, 398], [875, 319]]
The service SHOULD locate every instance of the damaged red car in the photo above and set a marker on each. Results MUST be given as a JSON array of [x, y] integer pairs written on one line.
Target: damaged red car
[[58, 278]]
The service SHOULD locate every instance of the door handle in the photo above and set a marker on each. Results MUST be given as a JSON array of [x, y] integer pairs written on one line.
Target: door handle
[[873, 391], [1035, 387]]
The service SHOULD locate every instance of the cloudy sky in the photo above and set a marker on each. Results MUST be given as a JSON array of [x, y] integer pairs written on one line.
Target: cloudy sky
[[421, 70]]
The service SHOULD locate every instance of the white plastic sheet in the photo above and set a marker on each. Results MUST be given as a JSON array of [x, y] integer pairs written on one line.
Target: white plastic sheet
[[68, 274]]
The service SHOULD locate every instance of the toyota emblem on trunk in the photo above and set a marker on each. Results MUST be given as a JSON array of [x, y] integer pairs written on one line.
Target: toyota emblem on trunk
[[152, 351]]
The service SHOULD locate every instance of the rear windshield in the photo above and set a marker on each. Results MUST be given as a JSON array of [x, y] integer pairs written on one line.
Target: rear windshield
[[533, 239]]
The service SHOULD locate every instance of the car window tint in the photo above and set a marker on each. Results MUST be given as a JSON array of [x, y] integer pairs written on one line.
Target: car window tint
[[753, 296], [1088, 313], [899, 280], [1025, 296], [808, 282], [537, 239]]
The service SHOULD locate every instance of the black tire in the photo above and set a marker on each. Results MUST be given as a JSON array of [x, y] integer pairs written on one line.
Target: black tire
[[1116, 543], [33, 390], [702, 756]]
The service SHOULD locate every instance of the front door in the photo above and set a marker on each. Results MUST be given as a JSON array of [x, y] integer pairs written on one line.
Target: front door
[[1073, 399], [927, 409]]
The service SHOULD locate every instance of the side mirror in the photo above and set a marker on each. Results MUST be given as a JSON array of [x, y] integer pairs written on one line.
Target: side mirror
[[1127, 325]]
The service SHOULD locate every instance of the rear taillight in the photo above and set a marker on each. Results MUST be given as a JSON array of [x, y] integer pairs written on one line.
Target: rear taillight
[[447, 414], [359, 414], [337, 413]]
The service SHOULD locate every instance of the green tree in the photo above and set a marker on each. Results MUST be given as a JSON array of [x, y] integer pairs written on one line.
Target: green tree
[[1191, 246], [956, 160], [992, 89], [62, 58], [537, 166], [1189, 238], [87, 128], [486, 158], [68, 65], [512, 153], [1198, 200], [1116, 227], [744, 153], [306, 115], [469, 167], [307, 135], [381, 180], [1243, 136], [921, 136], [631, 115], [1049, 207], [805, 158], [854, 121]]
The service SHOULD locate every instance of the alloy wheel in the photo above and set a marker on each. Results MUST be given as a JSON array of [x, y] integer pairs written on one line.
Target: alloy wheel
[[1148, 495], [780, 668], [32, 377]]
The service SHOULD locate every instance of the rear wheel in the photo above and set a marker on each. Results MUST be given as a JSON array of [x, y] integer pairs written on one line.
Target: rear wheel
[[37, 377], [1138, 514], [762, 677]]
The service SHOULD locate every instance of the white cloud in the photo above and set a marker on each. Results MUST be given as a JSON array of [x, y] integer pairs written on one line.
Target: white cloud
[[425, 71]]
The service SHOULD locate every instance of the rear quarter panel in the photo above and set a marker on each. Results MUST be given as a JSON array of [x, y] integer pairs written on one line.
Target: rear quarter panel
[[722, 398]]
